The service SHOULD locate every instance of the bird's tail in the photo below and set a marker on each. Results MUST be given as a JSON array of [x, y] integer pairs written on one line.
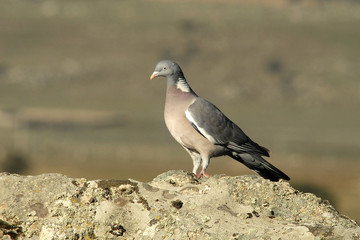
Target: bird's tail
[[260, 165]]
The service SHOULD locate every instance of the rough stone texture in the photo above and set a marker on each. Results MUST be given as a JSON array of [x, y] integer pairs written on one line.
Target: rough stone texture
[[174, 205]]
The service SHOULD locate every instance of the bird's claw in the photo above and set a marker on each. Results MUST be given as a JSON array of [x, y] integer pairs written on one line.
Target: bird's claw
[[198, 176]]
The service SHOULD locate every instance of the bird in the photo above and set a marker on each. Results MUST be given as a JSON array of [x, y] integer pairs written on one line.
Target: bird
[[204, 131]]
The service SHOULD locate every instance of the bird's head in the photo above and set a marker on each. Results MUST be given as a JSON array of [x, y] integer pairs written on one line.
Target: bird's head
[[166, 68]]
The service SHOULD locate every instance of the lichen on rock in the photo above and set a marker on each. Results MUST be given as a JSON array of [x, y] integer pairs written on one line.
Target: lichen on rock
[[175, 205]]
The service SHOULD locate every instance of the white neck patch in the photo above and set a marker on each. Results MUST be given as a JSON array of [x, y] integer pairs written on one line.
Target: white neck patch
[[183, 85]]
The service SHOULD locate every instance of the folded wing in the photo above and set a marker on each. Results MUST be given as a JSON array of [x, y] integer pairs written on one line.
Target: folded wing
[[211, 123]]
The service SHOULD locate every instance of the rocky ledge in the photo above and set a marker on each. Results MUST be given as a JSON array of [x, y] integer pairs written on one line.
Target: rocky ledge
[[174, 205]]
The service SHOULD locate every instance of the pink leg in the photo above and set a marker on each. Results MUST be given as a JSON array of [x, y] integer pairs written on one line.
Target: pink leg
[[202, 173], [205, 164]]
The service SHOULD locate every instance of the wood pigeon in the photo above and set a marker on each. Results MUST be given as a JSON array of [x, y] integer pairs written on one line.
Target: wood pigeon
[[204, 131]]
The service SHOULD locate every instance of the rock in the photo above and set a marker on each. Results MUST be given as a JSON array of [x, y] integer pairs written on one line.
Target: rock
[[175, 205]]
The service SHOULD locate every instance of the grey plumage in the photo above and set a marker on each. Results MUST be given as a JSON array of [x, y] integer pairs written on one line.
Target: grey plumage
[[204, 131]]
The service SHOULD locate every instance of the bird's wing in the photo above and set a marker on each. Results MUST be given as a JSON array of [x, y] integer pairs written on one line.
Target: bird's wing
[[210, 122]]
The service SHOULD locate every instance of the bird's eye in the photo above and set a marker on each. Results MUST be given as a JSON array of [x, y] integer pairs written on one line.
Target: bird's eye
[[165, 67]]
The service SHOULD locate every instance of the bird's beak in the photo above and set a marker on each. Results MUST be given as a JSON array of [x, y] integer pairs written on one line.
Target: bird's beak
[[154, 75]]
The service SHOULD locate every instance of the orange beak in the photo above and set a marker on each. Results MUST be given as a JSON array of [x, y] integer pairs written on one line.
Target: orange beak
[[154, 75]]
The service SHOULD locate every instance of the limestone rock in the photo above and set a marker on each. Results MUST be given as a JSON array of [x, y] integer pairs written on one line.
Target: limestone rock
[[175, 205]]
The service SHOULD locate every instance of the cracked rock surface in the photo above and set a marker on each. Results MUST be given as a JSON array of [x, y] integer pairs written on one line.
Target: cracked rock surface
[[174, 205]]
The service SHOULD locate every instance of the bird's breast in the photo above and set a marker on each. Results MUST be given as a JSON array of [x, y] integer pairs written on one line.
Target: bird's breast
[[177, 123], [174, 113]]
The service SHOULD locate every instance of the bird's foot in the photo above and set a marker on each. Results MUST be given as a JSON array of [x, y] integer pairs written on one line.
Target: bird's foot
[[202, 173]]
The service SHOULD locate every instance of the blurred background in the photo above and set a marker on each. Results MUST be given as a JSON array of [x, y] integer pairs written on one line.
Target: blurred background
[[76, 99]]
